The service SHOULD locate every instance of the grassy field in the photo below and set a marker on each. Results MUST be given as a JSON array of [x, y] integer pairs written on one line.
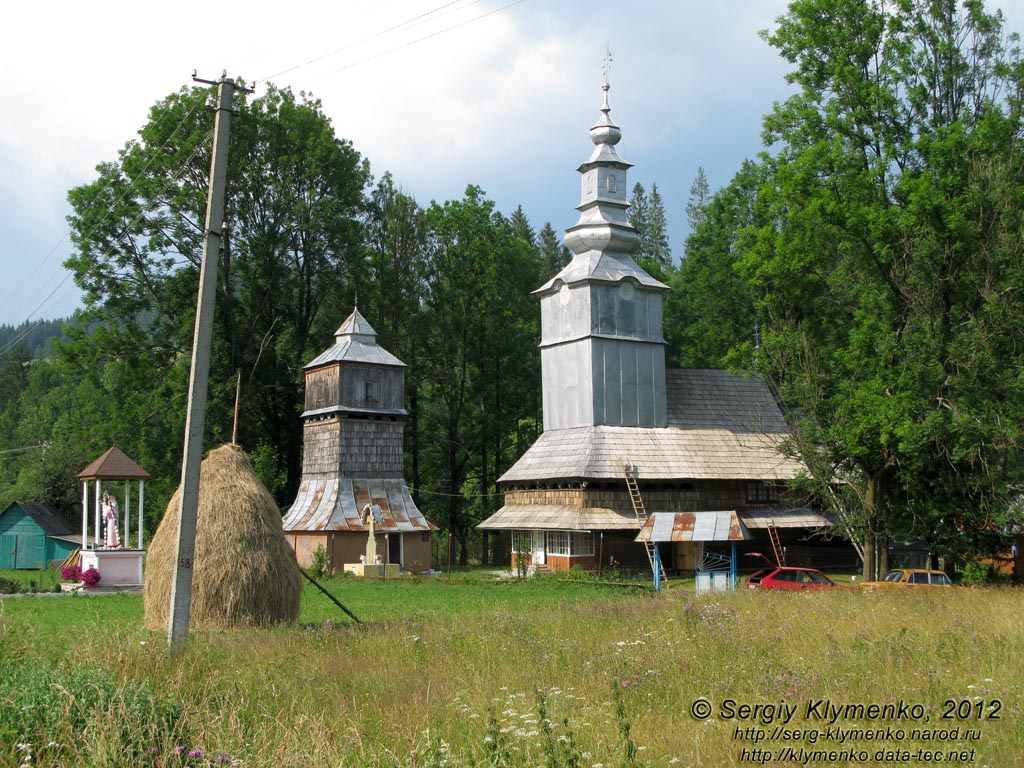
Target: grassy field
[[475, 672]]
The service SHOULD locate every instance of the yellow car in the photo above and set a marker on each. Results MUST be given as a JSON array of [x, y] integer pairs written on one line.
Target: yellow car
[[910, 577]]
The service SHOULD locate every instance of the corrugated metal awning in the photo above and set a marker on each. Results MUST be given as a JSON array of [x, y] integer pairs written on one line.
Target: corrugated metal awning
[[553, 517], [781, 517], [694, 526]]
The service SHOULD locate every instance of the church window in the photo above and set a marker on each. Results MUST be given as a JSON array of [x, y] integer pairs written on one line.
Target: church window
[[613, 184], [760, 492]]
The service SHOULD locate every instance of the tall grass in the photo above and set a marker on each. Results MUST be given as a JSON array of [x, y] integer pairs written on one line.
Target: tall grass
[[535, 673]]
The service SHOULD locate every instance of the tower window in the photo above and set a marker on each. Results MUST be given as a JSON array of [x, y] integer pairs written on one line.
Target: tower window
[[613, 184], [370, 393]]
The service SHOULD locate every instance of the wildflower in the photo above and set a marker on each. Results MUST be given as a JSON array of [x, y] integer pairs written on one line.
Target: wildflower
[[196, 753]]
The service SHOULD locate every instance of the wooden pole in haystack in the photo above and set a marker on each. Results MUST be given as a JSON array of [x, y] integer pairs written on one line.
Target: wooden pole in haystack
[[238, 405], [195, 422]]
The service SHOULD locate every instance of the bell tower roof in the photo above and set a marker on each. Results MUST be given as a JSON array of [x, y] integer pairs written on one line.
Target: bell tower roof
[[355, 342]]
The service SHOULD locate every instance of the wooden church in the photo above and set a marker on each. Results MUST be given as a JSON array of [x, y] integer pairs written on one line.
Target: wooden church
[[353, 430], [690, 454]]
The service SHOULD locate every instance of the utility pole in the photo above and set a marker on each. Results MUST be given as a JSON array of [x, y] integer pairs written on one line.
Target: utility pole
[[181, 586]]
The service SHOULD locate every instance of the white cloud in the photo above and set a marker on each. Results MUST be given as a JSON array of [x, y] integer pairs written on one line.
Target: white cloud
[[453, 97]]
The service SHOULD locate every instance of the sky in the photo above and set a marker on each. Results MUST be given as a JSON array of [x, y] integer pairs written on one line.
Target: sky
[[440, 93]]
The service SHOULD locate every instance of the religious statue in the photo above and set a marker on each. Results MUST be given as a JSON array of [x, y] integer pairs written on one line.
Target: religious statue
[[111, 538]]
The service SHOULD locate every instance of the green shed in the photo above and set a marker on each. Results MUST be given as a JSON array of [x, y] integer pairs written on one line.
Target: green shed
[[33, 534]]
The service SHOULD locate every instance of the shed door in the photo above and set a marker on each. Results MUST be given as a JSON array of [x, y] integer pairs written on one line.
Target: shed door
[[30, 551], [8, 550]]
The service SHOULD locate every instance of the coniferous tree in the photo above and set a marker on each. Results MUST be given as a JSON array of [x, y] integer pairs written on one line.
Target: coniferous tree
[[658, 249], [553, 253], [700, 195]]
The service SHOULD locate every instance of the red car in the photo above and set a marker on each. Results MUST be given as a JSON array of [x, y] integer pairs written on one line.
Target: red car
[[781, 577]]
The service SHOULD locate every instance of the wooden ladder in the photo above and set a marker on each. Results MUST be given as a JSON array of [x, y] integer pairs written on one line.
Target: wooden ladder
[[641, 515], [773, 534]]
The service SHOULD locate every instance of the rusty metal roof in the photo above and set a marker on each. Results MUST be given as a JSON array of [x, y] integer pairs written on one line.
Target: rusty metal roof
[[113, 465], [694, 526], [782, 517], [337, 504]]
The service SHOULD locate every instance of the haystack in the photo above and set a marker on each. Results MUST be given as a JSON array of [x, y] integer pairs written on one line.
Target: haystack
[[244, 571]]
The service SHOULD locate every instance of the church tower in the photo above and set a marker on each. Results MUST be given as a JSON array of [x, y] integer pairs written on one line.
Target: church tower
[[602, 349]]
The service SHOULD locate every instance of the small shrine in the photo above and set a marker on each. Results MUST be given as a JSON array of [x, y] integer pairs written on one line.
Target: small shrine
[[371, 563], [108, 505]]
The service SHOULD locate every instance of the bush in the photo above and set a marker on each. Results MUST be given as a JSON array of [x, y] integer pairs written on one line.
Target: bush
[[90, 577], [71, 573], [9, 586], [318, 563]]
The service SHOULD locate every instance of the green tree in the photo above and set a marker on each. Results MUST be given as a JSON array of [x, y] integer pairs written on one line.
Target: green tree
[[658, 249], [712, 317], [553, 253], [392, 298], [886, 266], [700, 196], [520, 224], [292, 244], [639, 210], [481, 350]]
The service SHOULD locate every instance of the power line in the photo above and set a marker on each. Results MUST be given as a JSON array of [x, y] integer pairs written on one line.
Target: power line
[[182, 167], [26, 449], [107, 213], [419, 39], [407, 22]]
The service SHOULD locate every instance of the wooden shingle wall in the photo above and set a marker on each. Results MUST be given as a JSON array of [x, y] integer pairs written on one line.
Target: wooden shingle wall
[[708, 496], [371, 448], [322, 388], [354, 448], [355, 386]]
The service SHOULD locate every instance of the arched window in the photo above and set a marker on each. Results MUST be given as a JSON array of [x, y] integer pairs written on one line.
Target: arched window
[[613, 184]]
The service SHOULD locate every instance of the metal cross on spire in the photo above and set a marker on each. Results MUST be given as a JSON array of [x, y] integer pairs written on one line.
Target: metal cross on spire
[[606, 65]]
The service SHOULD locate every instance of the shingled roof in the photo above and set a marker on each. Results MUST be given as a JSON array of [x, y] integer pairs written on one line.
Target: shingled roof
[[113, 465], [721, 426]]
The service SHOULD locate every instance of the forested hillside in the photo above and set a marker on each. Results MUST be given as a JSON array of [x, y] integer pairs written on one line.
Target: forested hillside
[[31, 339]]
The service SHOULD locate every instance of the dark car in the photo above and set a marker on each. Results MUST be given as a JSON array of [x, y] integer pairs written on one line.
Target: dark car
[[782, 577]]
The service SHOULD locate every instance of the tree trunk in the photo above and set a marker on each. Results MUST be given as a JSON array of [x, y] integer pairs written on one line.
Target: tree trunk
[[869, 554], [874, 505]]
